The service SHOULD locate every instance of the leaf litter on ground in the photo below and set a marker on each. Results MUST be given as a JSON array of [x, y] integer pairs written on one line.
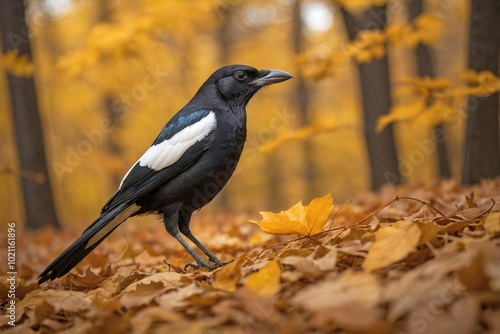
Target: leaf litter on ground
[[412, 259]]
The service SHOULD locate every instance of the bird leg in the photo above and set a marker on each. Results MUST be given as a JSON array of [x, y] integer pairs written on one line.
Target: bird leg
[[199, 261], [171, 224], [184, 228]]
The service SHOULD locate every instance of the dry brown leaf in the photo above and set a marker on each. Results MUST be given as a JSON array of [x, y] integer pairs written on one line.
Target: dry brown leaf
[[169, 279], [450, 281], [145, 290], [392, 244], [59, 300], [177, 299], [358, 318], [311, 267], [143, 321], [473, 275], [413, 292], [348, 289], [492, 319], [460, 319], [141, 295]]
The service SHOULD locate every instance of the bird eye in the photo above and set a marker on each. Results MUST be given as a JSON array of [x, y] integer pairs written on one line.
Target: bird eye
[[240, 75]]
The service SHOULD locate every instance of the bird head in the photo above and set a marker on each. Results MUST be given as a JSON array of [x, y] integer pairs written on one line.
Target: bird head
[[236, 84]]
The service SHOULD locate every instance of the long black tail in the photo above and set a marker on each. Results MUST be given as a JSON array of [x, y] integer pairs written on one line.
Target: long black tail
[[90, 238]]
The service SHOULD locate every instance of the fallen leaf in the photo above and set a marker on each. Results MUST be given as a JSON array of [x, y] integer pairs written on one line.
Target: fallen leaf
[[429, 231], [461, 318], [228, 277], [357, 318], [348, 289], [177, 299], [143, 321], [473, 275], [167, 279], [266, 281], [491, 223], [311, 267], [303, 220], [141, 295], [392, 244]]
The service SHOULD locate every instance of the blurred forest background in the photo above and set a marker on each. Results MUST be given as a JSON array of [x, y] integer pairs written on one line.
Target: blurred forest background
[[110, 73]]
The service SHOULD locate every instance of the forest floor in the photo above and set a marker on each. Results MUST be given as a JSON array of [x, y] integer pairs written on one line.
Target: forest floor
[[423, 259]]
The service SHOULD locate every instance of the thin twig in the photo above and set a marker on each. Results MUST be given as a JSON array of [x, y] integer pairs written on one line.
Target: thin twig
[[423, 202]]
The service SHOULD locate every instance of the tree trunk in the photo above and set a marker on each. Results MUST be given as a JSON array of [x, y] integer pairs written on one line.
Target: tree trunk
[[301, 96], [482, 142], [376, 96], [224, 47], [38, 201], [425, 68]]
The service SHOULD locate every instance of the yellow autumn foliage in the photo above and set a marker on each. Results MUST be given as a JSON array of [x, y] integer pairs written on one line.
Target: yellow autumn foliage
[[16, 64], [372, 44], [317, 126], [360, 4], [401, 113], [442, 92]]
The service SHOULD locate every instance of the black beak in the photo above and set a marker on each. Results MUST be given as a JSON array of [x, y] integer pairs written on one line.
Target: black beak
[[269, 77]]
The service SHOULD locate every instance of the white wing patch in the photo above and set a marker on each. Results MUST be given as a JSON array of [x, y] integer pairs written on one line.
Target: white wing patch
[[170, 151]]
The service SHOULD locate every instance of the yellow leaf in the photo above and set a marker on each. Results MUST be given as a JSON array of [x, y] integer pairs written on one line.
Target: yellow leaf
[[378, 51], [491, 223], [228, 277], [428, 28], [16, 64], [435, 114], [299, 219], [392, 244], [360, 4], [363, 56], [317, 126], [265, 282], [394, 34], [400, 112], [429, 231], [469, 75]]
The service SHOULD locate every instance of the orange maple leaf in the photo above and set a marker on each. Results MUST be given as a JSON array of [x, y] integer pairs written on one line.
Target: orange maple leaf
[[299, 219]]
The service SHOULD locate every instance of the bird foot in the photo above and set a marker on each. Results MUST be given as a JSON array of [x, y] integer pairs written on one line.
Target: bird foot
[[202, 263], [228, 262]]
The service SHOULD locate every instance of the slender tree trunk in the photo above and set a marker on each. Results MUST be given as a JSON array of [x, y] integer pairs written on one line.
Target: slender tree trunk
[[425, 67], [38, 201], [482, 142], [224, 47], [301, 95], [112, 145], [376, 96]]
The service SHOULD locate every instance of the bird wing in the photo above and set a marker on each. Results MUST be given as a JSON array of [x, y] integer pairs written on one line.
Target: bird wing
[[181, 142]]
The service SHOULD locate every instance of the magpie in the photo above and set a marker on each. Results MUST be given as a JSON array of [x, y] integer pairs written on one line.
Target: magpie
[[189, 163]]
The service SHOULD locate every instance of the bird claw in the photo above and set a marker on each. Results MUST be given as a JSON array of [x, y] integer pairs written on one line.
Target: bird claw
[[200, 264], [228, 262], [207, 265]]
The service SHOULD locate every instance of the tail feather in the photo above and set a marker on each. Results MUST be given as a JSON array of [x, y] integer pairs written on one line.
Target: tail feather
[[90, 239]]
